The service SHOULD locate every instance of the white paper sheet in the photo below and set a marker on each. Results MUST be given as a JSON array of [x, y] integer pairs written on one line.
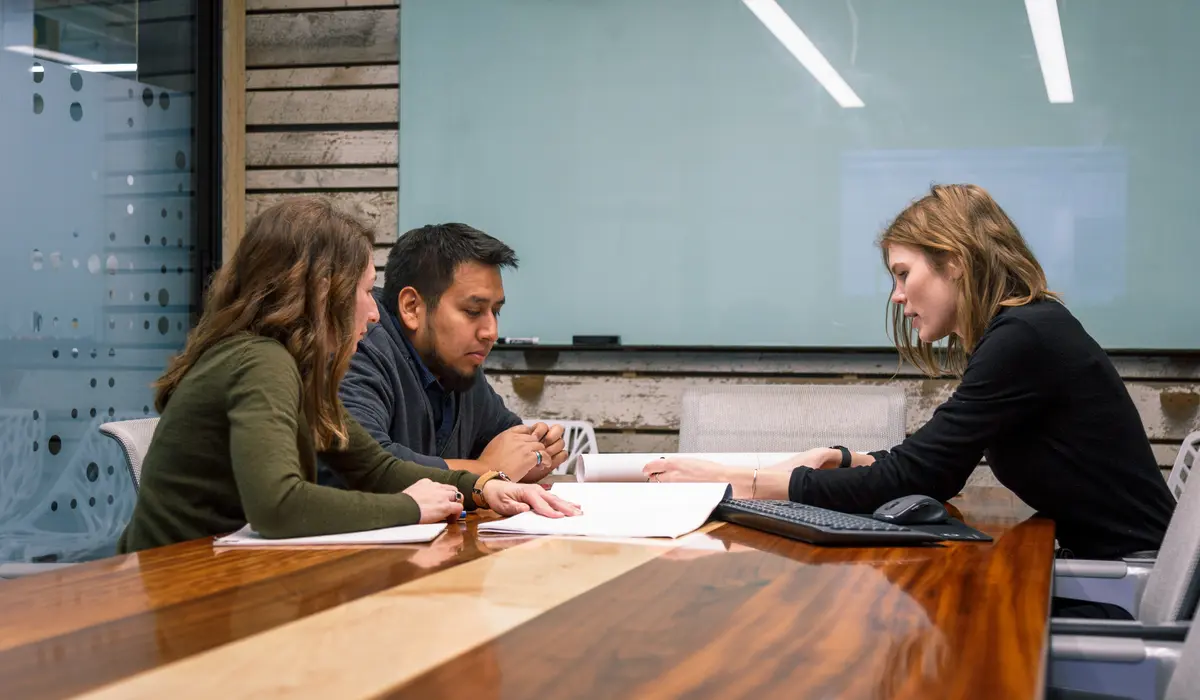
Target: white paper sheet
[[622, 510], [628, 467], [404, 534]]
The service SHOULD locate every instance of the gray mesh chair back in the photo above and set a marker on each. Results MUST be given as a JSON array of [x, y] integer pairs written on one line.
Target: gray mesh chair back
[[1172, 589], [1185, 680], [579, 437], [134, 437], [791, 417], [1189, 453]]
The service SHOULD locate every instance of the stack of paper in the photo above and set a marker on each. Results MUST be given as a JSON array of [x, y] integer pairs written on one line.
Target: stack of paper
[[628, 467], [404, 534], [622, 510]]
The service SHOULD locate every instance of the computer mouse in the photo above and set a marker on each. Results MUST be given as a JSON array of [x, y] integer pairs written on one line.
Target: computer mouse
[[912, 510]]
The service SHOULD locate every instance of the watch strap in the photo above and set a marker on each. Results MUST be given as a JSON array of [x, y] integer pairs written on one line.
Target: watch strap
[[477, 489], [846, 457]]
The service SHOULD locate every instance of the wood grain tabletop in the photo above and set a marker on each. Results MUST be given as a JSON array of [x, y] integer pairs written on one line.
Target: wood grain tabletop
[[724, 612]]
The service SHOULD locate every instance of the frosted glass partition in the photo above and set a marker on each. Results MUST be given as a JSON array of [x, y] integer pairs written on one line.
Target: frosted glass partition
[[669, 172], [97, 240]]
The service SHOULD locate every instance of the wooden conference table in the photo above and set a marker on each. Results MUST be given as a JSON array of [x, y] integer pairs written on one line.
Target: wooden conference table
[[722, 613]]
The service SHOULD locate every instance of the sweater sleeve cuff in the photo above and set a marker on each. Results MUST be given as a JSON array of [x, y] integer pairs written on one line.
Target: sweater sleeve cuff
[[466, 484], [796, 484], [407, 509]]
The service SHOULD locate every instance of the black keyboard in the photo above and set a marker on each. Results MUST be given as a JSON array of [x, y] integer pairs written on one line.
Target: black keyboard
[[816, 525]]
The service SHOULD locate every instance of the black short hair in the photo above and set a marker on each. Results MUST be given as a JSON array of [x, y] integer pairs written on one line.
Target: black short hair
[[425, 259]]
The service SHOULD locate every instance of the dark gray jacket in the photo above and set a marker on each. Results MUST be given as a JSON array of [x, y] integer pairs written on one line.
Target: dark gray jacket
[[382, 390]]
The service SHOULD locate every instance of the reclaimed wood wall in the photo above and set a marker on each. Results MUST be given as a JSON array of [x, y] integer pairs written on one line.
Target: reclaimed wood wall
[[322, 95], [321, 116]]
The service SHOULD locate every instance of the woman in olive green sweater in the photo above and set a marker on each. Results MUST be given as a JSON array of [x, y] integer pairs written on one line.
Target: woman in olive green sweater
[[251, 402]]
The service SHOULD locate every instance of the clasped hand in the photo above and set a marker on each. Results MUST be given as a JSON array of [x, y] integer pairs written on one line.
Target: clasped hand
[[526, 453]]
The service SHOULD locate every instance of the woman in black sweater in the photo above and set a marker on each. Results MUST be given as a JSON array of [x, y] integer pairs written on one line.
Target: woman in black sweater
[[1038, 396]]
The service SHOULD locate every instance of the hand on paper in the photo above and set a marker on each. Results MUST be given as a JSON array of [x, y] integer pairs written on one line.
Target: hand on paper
[[507, 498], [437, 502], [686, 469], [514, 452]]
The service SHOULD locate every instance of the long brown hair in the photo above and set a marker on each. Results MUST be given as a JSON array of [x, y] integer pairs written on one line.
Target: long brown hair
[[294, 278], [962, 223]]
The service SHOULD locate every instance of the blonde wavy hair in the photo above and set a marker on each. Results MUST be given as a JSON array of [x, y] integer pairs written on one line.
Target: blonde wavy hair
[[963, 224], [294, 278]]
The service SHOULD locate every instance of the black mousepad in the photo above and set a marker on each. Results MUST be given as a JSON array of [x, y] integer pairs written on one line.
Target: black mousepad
[[953, 529]]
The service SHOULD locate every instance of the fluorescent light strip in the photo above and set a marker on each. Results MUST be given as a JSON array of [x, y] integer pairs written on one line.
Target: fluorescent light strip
[[48, 54], [106, 67], [1051, 50], [75, 62], [794, 40]]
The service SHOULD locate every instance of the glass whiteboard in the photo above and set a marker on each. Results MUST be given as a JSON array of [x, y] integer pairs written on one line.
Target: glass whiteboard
[[669, 171]]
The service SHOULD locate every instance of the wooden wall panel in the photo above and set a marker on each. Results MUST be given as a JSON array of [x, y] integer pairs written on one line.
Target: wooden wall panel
[[233, 125], [376, 208], [322, 85], [330, 76], [336, 106], [321, 106], [857, 363], [306, 149], [630, 392], [259, 5], [623, 402], [322, 179], [322, 38]]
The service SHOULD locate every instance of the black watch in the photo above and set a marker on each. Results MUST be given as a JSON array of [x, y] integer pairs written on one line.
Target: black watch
[[846, 459]]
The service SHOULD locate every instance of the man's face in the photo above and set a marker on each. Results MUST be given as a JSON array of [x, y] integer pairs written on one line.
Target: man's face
[[455, 337]]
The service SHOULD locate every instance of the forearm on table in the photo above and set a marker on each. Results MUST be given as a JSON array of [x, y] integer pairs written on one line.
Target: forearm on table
[[759, 483], [861, 459]]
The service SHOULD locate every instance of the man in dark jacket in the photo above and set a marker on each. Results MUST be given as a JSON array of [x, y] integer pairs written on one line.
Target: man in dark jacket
[[416, 382]]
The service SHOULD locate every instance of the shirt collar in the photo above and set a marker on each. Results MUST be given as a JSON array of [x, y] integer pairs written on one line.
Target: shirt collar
[[427, 378]]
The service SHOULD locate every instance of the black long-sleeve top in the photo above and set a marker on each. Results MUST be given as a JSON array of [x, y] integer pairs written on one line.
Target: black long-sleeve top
[[1042, 401]]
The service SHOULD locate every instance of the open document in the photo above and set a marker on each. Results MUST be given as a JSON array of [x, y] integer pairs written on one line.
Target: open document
[[628, 467], [621, 510], [403, 534]]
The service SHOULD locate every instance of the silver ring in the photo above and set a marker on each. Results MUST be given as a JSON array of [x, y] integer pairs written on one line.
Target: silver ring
[[539, 456]]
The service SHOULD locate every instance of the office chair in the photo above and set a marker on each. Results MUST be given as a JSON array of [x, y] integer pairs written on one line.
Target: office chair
[[1121, 582], [134, 438], [20, 470], [1163, 609], [1114, 667], [579, 437], [791, 418], [95, 522], [1187, 456]]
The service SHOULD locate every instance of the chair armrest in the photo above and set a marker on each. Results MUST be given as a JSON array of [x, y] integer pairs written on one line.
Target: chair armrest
[[1112, 649], [1129, 629], [1117, 583], [1088, 568], [1115, 665]]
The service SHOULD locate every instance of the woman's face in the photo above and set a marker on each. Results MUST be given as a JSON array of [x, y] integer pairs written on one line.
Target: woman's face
[[929, 298], [365, 310]]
